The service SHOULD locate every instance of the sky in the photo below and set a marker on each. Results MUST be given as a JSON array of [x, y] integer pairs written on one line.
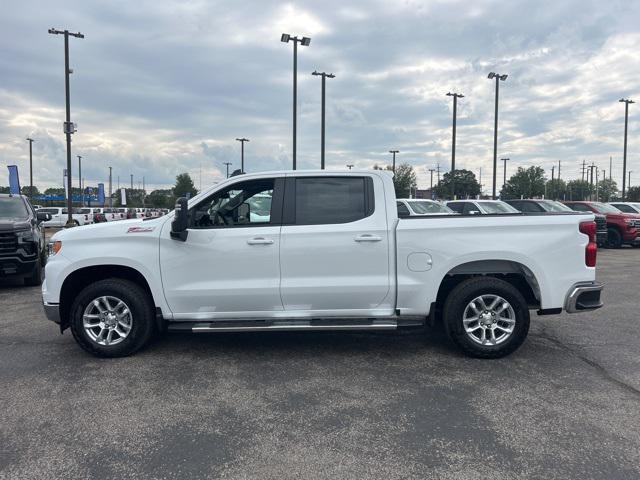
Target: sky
[[161, 88]]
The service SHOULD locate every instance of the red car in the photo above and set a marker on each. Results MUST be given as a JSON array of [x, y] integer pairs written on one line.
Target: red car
[[622, 228]]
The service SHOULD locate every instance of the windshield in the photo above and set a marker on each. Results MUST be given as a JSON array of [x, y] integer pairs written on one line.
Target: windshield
[[604, 208], [426, 207], [85, 210], [497, 207], [13, 207], [553, 206]]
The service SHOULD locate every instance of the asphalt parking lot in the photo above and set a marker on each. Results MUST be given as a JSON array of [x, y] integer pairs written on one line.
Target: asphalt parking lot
[[304, 405]]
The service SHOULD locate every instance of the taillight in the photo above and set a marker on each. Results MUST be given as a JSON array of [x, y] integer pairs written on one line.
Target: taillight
[[591, 250]]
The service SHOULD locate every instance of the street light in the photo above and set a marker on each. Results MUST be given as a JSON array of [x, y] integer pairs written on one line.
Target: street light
[[394, 159], [498, 78], [80, 180], [504, 182], [242, 140], [227, 164], [304, 41], [69, 127], [453, 142], [30, 140], [626, 102], [324, 77]]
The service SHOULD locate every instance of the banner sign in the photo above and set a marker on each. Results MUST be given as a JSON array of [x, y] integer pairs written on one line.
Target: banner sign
[[14, 180], [101, 193], [123, 196]]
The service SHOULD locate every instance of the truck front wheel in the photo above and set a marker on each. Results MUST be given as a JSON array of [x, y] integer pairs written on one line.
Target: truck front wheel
[[112, 318], [486, 317]]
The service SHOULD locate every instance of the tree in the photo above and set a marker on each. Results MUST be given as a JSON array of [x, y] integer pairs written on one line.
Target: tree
[[633, 194], [556, 189], [404, 180], [607, 189], [161, 199], [578, 190], [184, 186], [466, 184], [5, 190], [134, 198], [525, 183]]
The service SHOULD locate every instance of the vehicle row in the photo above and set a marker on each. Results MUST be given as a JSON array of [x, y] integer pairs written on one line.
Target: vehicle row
[[89, 215], [617, 223]]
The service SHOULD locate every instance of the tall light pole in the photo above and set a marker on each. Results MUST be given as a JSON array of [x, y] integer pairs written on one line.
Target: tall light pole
[[241, 140], [110, 187], [504, 180], [30, 140], [394, 159], [324, 76], [626, 102], [453, 142], [227, 164], [69, 128], [80, 180], [498, 78], [131, 181], [304, 41], [629, 184]]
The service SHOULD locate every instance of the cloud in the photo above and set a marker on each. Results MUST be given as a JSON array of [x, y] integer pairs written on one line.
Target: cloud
[[163, 88]]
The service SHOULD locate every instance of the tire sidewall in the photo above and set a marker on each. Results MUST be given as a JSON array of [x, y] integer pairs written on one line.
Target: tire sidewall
[[466, 292], [614, 239], [129, 293]]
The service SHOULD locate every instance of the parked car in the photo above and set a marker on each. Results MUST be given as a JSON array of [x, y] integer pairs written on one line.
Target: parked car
[[622, 228], [551, 206], [113, 214], [481, 207], [414, 206], [627, 207], [23, 251], [91, 212], [37, 207], [59, 217], [331, 254]]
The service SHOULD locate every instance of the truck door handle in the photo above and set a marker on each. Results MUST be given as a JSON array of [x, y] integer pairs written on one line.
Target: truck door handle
[[367, 238], [260, 241]]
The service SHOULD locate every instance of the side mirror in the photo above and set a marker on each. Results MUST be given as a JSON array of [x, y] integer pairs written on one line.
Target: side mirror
[[43, 217], [180, 220]]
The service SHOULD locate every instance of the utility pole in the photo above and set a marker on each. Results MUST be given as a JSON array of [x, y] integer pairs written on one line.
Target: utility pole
[[304, 41], [30, 140], [110, 188], [584, 167], [480, 181], [324, 77], [241, 140], [227, 164], [438, 170], [394, 159], [558, 172], [69, 128], [80, 180], [553, 169], [504, 181], [498, 78], [349, 166], [610, 166], [453, 142], [131, 181], [626, 102]]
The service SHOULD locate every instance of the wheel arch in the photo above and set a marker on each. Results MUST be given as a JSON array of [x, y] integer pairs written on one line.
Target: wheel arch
[[78, 279]]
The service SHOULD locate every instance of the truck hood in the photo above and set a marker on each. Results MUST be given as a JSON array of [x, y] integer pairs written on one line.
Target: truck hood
[[13, 225], [134, 226]]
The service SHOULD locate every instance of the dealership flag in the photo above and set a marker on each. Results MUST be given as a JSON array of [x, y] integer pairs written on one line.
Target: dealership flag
[[14, 180], [123, 196], [101, 193]]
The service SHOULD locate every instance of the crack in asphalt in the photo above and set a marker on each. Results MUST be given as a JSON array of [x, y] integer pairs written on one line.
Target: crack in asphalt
[[599, 368]]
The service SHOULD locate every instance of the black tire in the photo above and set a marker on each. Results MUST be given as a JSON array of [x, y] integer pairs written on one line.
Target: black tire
[[461, 296], [614, 239], [142, 313], [35, 279]]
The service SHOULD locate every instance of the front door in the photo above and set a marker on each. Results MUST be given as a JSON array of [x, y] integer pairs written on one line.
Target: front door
[[229, 265]]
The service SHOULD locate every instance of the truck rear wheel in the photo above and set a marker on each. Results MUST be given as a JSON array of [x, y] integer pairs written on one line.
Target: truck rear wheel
[[486, 317], [112, 318], [614, 239]]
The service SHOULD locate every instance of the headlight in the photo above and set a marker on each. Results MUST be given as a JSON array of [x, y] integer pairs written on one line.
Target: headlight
[[25, 236], [54, 247]]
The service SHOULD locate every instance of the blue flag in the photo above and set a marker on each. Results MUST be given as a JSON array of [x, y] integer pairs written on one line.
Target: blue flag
[[14, 180], [101, 193]]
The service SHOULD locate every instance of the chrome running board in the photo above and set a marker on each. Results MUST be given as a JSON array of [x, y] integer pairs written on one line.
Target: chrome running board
[[282, 326]]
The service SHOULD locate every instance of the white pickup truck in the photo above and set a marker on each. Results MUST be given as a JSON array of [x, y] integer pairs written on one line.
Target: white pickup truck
[[317, 250]]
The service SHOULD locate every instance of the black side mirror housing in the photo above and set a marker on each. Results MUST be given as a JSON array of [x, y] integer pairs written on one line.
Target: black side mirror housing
[[180, 220], [43, 217]]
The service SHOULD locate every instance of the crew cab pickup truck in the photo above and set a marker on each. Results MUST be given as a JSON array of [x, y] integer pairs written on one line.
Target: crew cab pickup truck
[[59, 217], [23, 252], [622, 228], [317, 250]]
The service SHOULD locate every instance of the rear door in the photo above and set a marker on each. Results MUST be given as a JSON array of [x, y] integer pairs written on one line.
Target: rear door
[[334, 255]]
